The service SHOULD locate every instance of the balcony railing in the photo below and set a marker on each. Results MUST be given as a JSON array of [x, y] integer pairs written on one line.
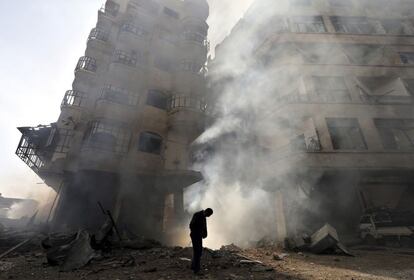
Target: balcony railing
[[86, 63], [35, 146], [73, 98], [188, 102], [98, 34]]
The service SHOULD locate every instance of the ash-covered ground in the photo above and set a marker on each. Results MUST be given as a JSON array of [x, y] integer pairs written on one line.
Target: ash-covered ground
[[230, 262]]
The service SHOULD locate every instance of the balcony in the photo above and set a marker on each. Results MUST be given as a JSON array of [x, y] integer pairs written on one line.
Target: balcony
[[36, 146], [179, 102], [118, 95], [86, 63], [73, 98], [98, 34]]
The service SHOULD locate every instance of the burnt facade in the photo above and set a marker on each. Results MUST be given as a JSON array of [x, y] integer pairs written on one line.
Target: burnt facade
[[123, 135], [344, 89]]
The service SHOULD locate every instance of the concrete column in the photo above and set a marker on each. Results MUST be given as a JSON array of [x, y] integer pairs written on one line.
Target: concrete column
[[179, 203], [281, 231]]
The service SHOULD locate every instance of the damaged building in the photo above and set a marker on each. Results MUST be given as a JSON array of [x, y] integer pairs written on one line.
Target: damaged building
[[343, 92], [136, 104]]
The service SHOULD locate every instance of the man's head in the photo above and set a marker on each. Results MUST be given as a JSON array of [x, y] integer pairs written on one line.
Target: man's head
[[208, 212]]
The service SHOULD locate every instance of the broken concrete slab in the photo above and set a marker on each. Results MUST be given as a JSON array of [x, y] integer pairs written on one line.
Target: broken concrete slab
[[80, 252], [324, 239]]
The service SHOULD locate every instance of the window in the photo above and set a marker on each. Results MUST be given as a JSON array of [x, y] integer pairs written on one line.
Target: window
[[320, 53], [109, 136], [358, 25], [171, 13], [125, 58], [331, 89], [383, 90], [150, 143], [73, 98], [163, 63], [308, 24], [98, 34], [396, 134], [407, 57], [346, 134], [134, 29], [157, 99], [395, 26], [119, 95], [86, 63], [366, 54]]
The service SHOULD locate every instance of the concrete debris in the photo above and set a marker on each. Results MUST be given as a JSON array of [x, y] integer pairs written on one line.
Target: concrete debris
[[69, 252], [231, 248], [6, 266], [185, 259], [323, 241], [280, 257]]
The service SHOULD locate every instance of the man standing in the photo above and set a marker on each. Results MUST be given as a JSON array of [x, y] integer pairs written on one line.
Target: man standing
[[198, 227]]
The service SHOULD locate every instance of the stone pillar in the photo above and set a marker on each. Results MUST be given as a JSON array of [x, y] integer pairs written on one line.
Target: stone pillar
[[281, 231]]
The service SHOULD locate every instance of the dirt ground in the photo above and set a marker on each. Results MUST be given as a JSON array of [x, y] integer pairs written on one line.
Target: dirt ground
[[173, 263]]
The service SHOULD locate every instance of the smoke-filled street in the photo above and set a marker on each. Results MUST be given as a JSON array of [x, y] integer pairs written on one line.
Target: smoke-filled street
[[207, 139]]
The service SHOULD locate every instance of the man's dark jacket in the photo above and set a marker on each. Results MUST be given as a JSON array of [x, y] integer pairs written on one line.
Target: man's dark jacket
[[198, 225]]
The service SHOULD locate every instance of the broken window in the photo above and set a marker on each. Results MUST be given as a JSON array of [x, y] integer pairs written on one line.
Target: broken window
[[73, 98], [109, 136], [308, 24], [396, 134], [134, 29], [86, 63], [171, 13], [150, 142], [383, 89], [119, 95], [98, 34], [157, 99], [125, 58], [407, 57], [358, 25], [396, 26], [346, 134], [331, 89], [163, 63], [111, 8], [367, 54]]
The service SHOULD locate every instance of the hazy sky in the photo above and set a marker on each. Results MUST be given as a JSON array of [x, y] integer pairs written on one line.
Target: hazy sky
[[41, 43]]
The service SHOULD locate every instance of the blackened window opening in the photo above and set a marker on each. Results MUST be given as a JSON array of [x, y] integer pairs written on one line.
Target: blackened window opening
[[150, 143]]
